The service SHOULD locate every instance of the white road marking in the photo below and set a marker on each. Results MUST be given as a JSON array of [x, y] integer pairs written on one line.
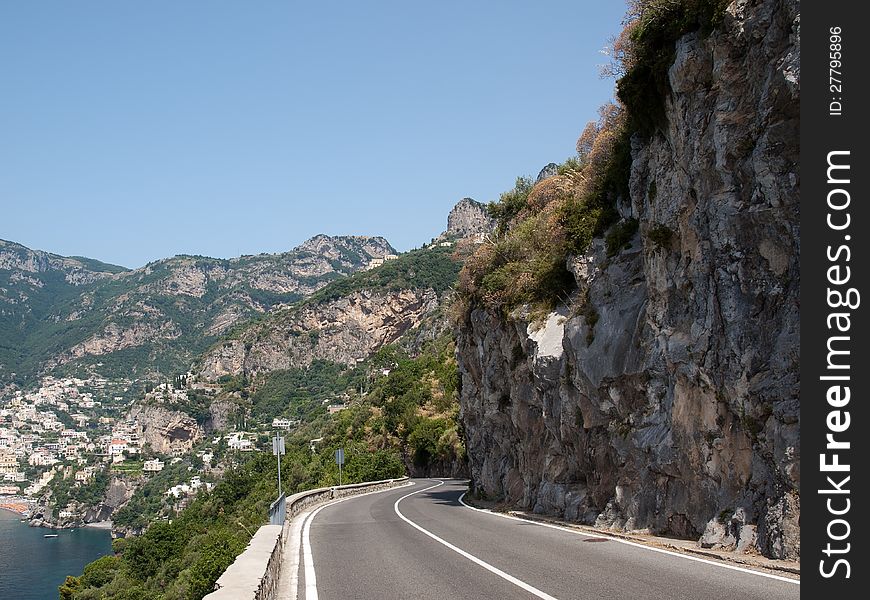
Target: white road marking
[[635, 544], [521, 584], [307, 556]]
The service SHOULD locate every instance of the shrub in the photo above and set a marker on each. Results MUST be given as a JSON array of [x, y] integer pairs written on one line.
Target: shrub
[[526, 263], [661, 235], [620, 236], [510, 204]]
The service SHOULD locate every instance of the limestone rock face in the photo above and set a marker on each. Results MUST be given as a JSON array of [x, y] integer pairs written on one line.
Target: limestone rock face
[[666, 395], [469, 218], [343, 330], [167, 431]]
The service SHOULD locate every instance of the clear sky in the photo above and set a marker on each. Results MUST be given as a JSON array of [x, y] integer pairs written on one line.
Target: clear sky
[[131, 131]]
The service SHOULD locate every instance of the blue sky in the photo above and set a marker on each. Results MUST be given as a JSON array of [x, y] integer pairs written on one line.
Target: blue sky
[[131, 131]]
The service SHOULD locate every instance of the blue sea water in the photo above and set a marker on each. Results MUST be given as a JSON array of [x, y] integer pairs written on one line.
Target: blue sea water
[[33, 566]]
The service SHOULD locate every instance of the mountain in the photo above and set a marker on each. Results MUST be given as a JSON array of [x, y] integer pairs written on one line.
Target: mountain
[[346, 321], [77, 315]]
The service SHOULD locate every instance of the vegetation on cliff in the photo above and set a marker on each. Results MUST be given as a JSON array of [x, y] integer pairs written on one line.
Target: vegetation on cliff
[[541, 224], [425, 268]]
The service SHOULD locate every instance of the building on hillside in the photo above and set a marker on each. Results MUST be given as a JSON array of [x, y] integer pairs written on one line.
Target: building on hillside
[[41, 458], [241, 444], [117, 447], [375, 262], [153, 466], [8, 462]]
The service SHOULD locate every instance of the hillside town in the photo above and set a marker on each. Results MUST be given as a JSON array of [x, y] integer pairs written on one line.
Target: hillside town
[[70, 430]]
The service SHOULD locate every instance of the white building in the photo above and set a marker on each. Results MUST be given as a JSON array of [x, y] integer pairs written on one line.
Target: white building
[[237, 442], [154, 465]]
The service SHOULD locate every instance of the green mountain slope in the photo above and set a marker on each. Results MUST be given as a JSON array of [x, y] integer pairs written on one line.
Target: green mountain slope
[[73, 315]]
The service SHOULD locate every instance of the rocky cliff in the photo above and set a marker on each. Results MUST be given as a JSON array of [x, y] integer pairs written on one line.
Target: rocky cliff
[[468, 218], [346, 321], [343, 331], [118, 492], [166, 431], [664, 394]]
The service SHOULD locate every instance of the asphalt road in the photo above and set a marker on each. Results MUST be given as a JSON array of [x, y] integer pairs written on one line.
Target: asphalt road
[[420, 542]]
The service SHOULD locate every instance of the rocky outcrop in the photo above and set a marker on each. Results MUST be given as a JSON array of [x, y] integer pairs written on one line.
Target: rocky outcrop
[[343, 330], [467, 219], [118, 493], [166, 431], [549, 170], [665, 396]]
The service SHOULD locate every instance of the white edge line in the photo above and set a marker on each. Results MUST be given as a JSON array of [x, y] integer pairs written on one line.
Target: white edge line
[[292, 553], [308, 557], [521, 584], [635, 544]]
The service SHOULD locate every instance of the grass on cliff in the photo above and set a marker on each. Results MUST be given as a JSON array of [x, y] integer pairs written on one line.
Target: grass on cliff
[[646, 48], [542, 224]]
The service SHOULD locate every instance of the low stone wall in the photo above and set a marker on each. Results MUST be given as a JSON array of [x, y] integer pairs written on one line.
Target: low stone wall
[[254, 574]]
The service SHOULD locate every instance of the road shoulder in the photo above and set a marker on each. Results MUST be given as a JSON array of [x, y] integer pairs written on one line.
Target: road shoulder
[[789, 569]]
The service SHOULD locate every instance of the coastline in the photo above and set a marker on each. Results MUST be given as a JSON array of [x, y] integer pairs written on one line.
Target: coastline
[[99, 525], [18, 508]]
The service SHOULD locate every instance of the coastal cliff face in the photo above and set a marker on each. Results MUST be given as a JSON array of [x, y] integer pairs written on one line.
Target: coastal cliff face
[[664, 395], [118, 492]]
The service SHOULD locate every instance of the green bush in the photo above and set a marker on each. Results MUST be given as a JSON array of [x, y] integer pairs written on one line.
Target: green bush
[[510, 204], [661, 235], [620, 235]]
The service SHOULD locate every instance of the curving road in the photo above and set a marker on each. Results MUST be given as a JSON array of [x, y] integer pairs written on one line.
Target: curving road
[[421, 542]]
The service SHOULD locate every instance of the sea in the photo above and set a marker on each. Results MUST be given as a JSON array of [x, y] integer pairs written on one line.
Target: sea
[[32, 566]]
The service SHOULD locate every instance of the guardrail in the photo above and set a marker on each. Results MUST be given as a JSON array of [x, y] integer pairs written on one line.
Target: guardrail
[[278, 511], [255, 572]]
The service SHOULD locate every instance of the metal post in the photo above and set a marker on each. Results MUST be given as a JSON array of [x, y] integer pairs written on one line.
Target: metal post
[[279, 474], [278, 450]]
